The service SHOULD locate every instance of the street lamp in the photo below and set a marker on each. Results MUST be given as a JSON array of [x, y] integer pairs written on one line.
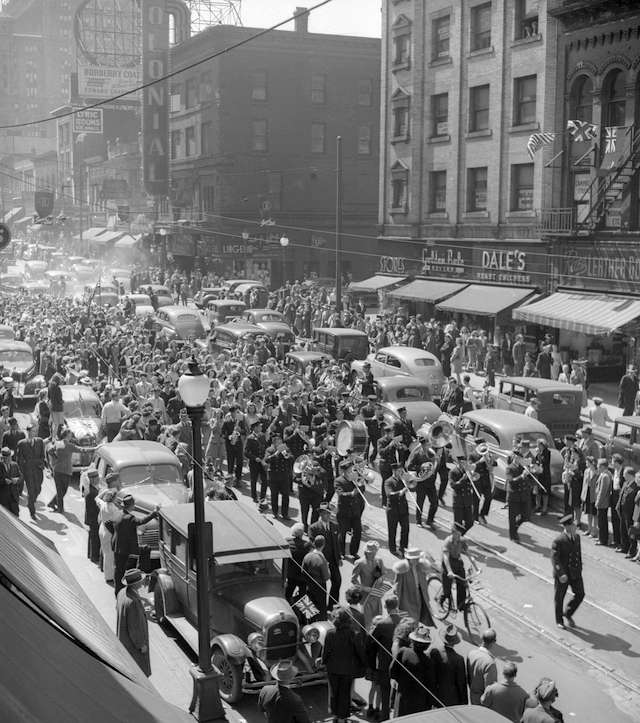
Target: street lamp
[[205, 705], [284, 242]]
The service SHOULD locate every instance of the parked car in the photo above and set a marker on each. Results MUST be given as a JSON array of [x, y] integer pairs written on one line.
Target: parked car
[[7, 333], [35, 269], [274, 330], [221, 311], [101, 294], [298, 361], [150, 472], [394, 360], [558, 403], [245, 595], [162, 293], [409, 392], [499, 428], [180, 323], [82, 415], [623, 439], [263, 316], [224, 337], [17, 361], [340, 343], [142, 304], [207, 294], [249, 288]]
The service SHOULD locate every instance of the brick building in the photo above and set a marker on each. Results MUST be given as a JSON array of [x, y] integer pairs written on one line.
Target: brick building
[[464, 86], [253, 149]]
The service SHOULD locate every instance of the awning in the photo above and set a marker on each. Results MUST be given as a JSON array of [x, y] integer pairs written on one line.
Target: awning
[[23, 220], [105, 237], [586, 313], [427, 290], [483, 300], [10, 215], [127, 241], [91, 232], [380, 281]]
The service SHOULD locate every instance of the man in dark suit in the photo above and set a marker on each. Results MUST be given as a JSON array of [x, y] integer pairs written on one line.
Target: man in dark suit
[[280, 704], [329, 530], [378, 650], [450, 669], [30, 459], [566, 559], [627, 390], [125, 538]]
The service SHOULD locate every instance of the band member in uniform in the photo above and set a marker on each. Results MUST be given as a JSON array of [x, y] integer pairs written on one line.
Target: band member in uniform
[[232, 431], [542, 460], [483, 462], [572, 474], [367, 387], [518, 494], [324, 454], [463, 494], [397, 509], [280, 461], [404, 428], [350, 490], [388, 453], [422, 460], [566, 559], [369, 412], [311, 491], [254, 449]]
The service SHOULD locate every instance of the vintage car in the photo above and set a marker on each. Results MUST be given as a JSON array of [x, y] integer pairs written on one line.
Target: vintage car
[[624, 439], [180, 323], [246, 595], [7, 333], [82, 414], [11, 281], [101, 295], [410, 392], [499, 428], [299, 361], [222, 311], [558, 403], [263, 316], [394, 360], [250, 288], [142, 304], [340, 343], [162, 293], [457, 713], [232, 284], [35, 269], [274, 328], [224, 337], [17, 362], [150, 472], [207, 294]]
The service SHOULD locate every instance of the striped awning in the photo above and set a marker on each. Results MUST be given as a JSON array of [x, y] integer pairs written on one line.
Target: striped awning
[[585, 313], [92, 232], [127, 241], [427, 290], [374, 283], [105, 237], [13, 213], [485, 300]]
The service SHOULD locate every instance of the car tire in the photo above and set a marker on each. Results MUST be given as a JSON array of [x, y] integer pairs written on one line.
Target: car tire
[[230, 681]]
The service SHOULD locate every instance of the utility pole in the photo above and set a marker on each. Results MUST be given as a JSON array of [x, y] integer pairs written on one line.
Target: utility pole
[[339, 229]]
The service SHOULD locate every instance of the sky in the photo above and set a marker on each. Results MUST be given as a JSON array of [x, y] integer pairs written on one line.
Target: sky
[[342, 17]]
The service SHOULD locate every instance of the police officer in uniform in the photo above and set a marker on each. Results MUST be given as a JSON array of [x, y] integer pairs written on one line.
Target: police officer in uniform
[[422, 460], [349, 488], [397, 510], [566, 559]]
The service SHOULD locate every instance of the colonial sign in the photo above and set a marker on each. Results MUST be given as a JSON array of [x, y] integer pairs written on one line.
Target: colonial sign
[[155, 98]]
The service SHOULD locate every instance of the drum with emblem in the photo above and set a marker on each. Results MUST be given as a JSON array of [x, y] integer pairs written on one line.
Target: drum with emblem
[[351, 436]]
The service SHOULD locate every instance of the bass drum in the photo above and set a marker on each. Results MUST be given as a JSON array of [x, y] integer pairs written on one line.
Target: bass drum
[[351, 436]]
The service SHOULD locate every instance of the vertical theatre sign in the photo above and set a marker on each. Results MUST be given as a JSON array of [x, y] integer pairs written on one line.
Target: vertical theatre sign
[[155, 106]]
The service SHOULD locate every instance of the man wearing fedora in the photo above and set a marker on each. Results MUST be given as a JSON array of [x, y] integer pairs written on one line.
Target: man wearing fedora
[[411, 584], [131, 622], [566, 560], [449, 668], [9, 482], [627, 390], [30, 459], [329, 530], [278, 702], [413, 671]]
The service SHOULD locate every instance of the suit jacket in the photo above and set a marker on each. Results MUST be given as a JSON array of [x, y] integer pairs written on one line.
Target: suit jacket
[[566, 556], [332, 547], [413, 672], [282, 705], [125, 533], [90, 506], [451, 674], [30, 454], [379, 641], [481, 672]]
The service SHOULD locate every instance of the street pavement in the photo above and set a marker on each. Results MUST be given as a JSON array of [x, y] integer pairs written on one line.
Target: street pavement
[[596, 666]]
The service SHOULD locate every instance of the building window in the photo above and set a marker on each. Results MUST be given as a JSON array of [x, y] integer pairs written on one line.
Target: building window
[[192, 92], [522, 187], [615, 101], [318, 88], [364, 140], [481, 27], [399, 188], [259, 135], [440, 41], [400, 116], [525, 100], [365, 93], [401, 47], [526, 24], [440, 114], [259, 85], [176, 140], [206, 86], [207, 196], [581, 103], [317, 137], [175, 94], [190, 141], [206, 138], [477, 189], [478, 108], [438, 184]]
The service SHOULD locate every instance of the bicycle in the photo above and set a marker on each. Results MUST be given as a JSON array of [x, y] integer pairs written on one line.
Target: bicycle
[[476, 620]]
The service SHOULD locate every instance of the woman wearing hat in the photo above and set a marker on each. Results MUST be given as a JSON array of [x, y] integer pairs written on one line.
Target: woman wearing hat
[[108, 511]]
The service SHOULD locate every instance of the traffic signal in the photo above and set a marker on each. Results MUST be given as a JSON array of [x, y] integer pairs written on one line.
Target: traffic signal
[[5, 236]]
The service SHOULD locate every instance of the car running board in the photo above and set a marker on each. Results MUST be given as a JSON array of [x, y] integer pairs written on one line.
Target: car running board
[[185, 629]]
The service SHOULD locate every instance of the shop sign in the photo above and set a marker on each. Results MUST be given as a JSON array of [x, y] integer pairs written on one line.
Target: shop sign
[[598, 266], [503, 266], [392, 265], [443, 262], [88, 121], [235, 249]]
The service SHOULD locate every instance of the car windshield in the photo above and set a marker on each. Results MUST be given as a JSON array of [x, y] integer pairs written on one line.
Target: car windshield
[[533, 437], [140, 299], [424, 362], [267, 317], [82, 408], [412, 394], [11, 357], [150, 474], [189, 325], [245, 569]]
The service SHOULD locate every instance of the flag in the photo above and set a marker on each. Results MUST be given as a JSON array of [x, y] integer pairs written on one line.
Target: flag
[[306, 607], [537, 140], [582, 130], [610, 135], [616, 144]]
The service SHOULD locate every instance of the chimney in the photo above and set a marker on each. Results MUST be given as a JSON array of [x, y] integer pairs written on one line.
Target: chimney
[[301, 22]]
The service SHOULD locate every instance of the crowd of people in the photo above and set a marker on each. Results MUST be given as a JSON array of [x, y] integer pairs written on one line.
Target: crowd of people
[[261, 418]]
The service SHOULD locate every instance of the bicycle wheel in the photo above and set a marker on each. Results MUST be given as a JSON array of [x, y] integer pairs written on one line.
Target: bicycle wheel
[[438, 607], [476, 621]]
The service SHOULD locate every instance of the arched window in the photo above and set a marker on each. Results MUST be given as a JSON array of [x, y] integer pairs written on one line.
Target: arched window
[[614, 98], [582, 99]]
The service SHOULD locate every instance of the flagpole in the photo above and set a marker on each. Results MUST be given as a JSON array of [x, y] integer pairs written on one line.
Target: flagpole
[[548, 163]]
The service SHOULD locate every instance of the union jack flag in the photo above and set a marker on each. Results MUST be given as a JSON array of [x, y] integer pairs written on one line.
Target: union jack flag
[[306, 607], [537, 140], [610, 138], [582, 130]]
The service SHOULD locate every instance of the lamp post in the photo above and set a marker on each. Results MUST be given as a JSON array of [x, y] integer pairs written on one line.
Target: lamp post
[[284, 242], [162, 232], [205, 704]]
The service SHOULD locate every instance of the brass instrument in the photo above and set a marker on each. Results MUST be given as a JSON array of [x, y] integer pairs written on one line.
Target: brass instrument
[[301, 463]]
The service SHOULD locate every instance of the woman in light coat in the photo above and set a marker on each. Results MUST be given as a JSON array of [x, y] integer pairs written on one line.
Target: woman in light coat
[[604, 485], [108, 511], [588, 496]]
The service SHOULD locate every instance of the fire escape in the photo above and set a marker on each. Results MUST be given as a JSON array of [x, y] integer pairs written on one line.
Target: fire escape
[[602, 193]]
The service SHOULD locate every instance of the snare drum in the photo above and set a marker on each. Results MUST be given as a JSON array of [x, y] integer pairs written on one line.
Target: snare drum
[[351, 436]]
